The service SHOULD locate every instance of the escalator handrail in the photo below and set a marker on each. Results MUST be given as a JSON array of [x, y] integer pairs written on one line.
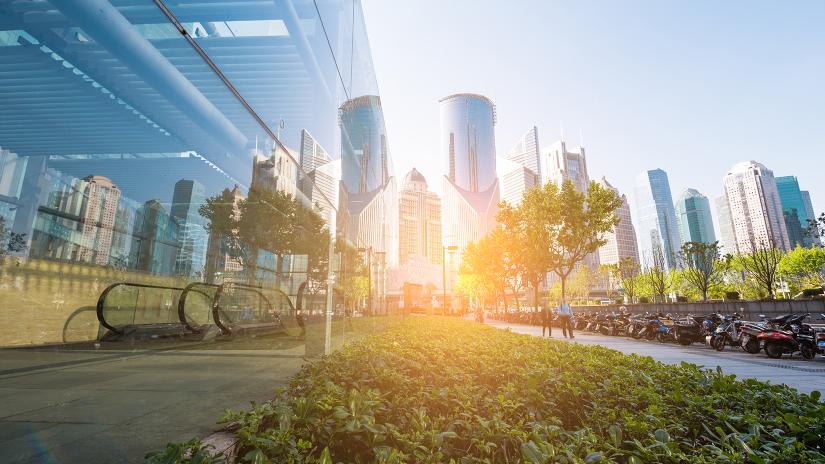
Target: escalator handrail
[[102, 299], [182, 303], [257, 289]]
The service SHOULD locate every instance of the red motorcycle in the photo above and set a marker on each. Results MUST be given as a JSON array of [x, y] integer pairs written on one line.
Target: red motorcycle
[[793, 337]]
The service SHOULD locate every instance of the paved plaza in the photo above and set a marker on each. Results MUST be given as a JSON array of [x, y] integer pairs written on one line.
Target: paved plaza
[[795, 372], [115, 403]]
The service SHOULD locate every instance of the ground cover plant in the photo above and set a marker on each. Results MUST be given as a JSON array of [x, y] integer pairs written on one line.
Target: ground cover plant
[[441, 390]]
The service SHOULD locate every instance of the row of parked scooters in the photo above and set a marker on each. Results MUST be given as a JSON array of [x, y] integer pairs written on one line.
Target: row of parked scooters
[[785, 335]]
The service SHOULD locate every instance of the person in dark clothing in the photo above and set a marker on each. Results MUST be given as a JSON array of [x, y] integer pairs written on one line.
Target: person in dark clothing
[[546, 322]]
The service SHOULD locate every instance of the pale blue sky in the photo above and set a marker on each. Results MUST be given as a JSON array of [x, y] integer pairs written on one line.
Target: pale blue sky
[[691, 87]]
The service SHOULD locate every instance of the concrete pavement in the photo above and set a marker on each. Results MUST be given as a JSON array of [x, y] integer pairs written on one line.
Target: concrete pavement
[[115, 403], [795, 372]]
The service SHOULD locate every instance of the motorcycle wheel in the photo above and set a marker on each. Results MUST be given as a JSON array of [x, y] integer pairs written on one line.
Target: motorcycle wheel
[[719, 343], [684, 341], [636, 334], [808, 352], [651, 335], [773, 351], [661, 337], [752, 346]]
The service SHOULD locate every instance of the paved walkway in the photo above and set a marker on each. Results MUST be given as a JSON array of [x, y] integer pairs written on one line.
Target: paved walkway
[[795, 372], [115, 403]]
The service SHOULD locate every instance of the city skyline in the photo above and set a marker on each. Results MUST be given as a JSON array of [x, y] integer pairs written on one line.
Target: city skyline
[[654, 109]]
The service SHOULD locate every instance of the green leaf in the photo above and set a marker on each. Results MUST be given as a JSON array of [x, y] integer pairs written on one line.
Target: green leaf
[[615, 433], [662, 436], [593, 457], [815, 395], [531, 453], [325, 457]]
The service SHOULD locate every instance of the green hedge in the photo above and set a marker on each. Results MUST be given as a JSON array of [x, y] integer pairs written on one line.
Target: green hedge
[[442, 390]]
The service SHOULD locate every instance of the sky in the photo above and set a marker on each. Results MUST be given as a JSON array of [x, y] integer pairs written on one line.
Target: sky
[[691, 87]]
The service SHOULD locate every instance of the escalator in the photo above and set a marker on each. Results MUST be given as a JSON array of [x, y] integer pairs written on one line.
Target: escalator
[[199, 311]]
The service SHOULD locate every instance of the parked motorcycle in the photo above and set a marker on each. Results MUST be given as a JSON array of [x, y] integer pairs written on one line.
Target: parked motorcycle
[[794, 336], [727, 332]]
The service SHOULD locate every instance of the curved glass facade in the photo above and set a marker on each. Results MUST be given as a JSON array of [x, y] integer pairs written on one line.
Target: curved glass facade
[[468, 140], [171, 176]]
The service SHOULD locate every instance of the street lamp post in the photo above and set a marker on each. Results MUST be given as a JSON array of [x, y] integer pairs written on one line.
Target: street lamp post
[[444, 272]]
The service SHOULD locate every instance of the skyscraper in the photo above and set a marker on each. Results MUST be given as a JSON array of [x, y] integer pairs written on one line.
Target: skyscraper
[[809, 213], [755, 207], [794, 210], [621, 241], [559, 164], [192, 234], [526, 151], [727, 240], [694, 218], [471, 190], [658, 231], [370, 197], [515, 180], [419, 216]]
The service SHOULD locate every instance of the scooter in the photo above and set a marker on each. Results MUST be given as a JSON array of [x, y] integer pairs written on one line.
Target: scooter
[[726, 333], [793, 337]]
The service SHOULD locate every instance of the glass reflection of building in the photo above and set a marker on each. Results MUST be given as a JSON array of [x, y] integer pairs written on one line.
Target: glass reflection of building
[[796, 211], [471, 189], [115, 129]]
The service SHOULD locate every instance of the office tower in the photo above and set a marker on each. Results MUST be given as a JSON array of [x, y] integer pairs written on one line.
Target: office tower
[[794, 210], [559, 164], [526, 151], [100, 201], [471, 189], [694, 218], [727, 240], [658, 231], [278, 171], [809, 213], [155, 243], [321, 175], [419, 216], [515, 180], [621, 241], [370, 192], [755, 208], [188, 196]]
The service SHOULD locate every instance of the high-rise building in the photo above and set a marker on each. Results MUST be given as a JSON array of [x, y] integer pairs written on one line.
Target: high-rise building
[[155, 242], [809, 213], [515, 180], [419, 216], [187, 198], [794, 210], [559, 164], [694, 218], [755, 207], [526, 152], [621, 241], [371, 201], [471, 189], [727, 240], [658, 231]]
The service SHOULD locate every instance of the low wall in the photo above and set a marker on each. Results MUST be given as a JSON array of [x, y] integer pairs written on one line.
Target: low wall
[[749, 310]]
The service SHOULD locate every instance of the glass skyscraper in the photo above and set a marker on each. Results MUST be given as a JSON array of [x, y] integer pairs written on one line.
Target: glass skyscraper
[[794, 210], [471, 189], [694, 217], [658, 231]]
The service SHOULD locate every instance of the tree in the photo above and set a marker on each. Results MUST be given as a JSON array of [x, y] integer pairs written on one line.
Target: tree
[[527, 227], [703, 266], [761, 265], [627, 272], [803, 267], [10, 242], [268, 222], [657, 275], [816, 227]]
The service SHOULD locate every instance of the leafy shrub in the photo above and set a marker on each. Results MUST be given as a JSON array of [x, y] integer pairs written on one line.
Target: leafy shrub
[[442, 390], [644, 300]]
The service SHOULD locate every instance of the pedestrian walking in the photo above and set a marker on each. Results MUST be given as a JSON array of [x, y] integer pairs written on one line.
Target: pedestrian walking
[[546, 321], [565, 318]]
